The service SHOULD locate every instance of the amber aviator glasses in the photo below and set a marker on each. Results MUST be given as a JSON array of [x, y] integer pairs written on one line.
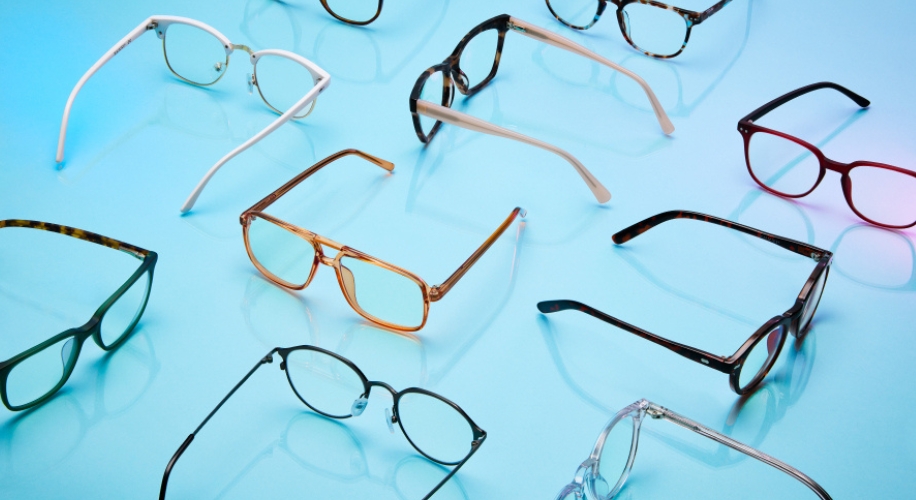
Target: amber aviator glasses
[[382, 293]]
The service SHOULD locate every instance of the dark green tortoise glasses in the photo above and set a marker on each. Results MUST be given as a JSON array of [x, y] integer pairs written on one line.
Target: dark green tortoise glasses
[[33, 376]]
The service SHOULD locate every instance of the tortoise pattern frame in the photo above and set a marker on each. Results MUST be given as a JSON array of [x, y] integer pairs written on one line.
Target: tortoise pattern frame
[[692, 19], [747, 128], [478, 435], [452, 74], [92, 328], [788, 322], [429, 293]]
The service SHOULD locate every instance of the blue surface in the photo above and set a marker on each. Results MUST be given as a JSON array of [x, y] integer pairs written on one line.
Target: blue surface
[[839, 408]]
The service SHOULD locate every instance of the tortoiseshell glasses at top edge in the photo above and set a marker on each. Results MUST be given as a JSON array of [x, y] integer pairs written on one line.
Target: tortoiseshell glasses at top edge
[[334, 387], [656, 29], [382, 293], [784, 165], [605, 471], [473, 64], [33, 376], [749, 365]]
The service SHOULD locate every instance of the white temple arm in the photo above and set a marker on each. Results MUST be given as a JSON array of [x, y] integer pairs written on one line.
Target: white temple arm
[[322, 80], [545, 36], [469, 122], [145, 26]]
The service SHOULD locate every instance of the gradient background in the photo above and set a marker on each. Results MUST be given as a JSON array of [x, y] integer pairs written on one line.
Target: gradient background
[[838, 408]]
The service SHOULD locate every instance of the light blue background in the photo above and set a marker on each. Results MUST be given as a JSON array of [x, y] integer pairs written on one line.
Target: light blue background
[[840, 408]]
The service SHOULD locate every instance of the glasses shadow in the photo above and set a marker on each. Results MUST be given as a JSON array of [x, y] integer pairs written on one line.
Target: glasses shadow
[[40, 438]]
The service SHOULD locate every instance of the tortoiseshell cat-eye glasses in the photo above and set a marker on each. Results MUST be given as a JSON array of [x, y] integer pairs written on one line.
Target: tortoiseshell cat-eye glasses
[[653, 28], [31, 377], [382, 293], [473, 64], [749, 365]]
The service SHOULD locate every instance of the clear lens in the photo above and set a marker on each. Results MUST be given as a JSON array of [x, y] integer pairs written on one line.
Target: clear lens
[[40, 373], [383, 294], [435, 427], [655, 30], [761, 357], [359, 11], [283, 254], [194, 54], [433, 91], [814, 298], [123, 315], [615, 454], [884, 196], [782, 165], [478, 58], [575, 13], [282, 82], [324, 382]]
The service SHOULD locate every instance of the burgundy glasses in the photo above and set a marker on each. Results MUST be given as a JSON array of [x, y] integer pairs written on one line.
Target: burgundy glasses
[[784, 165]]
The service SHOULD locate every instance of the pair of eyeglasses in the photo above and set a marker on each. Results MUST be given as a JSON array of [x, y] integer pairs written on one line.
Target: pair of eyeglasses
[[382, 293], [749, 365], [653, 28], [333, 386], [881, 194], [31, 377], [473, 64], [198, 54], [603, 474]]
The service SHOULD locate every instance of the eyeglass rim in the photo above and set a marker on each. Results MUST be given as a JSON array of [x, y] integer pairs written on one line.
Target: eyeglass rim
[[342, 251], [378, 11], [478, 433]]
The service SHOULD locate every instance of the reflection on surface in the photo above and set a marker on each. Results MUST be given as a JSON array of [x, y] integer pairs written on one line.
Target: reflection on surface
[[329, 455], [37, 439]]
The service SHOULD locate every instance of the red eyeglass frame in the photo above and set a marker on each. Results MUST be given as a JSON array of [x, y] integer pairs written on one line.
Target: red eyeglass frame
[[748, 128]]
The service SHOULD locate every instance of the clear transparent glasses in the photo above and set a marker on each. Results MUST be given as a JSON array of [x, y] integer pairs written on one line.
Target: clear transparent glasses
[[751, 363], [33, 376], [653, 28], [603, 474], [333, 386], [782, 164], [384, 294], [198, 54]]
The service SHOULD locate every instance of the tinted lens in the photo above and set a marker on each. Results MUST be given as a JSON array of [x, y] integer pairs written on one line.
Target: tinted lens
[[324, 382], [359, 11], [814, 298], [124, 314], [435, 427], [612, 464], [575, 13], [194, 54], [885, 196], [41, 373], [478, 58], [655, 30], [782, 165], [282, 82], [434, 91], [760, 359], [383, 294], [281, 253]]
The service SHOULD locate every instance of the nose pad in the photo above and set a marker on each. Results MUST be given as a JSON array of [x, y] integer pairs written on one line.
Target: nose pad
[[348, 281], [218, 67], [358, 406], [390, 419], [251, 83], [626, 24], [66, 352], [463, 79], [600, 486]]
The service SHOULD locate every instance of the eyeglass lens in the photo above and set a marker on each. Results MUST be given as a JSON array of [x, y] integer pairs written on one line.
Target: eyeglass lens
[[782, 165], [121, 317], [760, 358], [41, 373], [478, 58], [193, 54], [282, 254], [576, 13], [884, 195], [654, 29], [615, 454], [358, 11], [282, 82], [381, 293]]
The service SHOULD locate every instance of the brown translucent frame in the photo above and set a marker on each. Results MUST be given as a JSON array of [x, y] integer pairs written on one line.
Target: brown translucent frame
[[344, 276], [748, 128], [788, 322], [324, 3]]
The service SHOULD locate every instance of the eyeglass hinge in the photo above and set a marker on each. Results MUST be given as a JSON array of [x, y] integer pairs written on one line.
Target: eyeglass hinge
[[434, 293], [516, 27], [151, 26], [654, 412], [815, 256]]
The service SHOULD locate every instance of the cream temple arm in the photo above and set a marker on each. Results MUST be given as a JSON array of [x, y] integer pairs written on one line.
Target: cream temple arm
[[322, 80], [469, 122], [545, 36]]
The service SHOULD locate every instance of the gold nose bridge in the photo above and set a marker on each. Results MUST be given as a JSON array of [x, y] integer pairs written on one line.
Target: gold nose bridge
[[237, 46]]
